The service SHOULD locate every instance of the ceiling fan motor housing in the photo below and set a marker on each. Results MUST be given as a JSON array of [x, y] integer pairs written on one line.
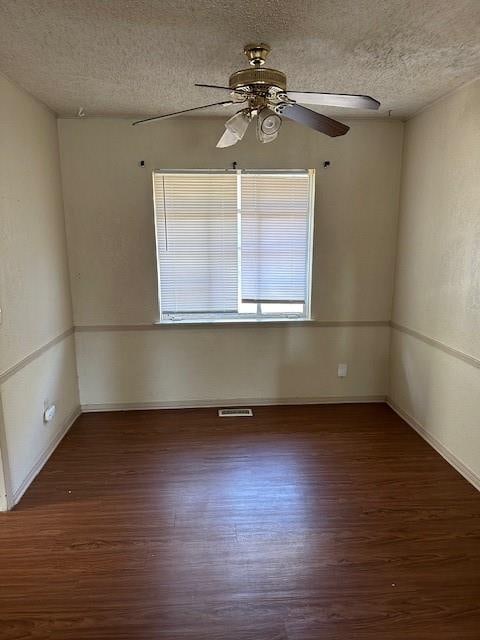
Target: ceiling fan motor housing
[[263, 94], [260, 78]]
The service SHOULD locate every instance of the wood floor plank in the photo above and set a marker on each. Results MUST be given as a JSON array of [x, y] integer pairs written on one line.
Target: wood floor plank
[[301, 523]]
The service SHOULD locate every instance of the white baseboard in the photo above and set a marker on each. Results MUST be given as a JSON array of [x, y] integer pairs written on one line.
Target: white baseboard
[[232, 402], [42, 459], [450, 457]]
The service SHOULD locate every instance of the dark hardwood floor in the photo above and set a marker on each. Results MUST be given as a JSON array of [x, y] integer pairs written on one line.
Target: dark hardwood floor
[[302, 523]]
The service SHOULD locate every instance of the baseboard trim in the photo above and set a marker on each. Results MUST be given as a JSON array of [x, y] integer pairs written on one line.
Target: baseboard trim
[[42, 459], [232, 402], [450, 457]]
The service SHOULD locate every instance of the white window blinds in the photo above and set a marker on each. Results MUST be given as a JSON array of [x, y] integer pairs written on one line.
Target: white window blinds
[[230, 242], [274, 237], [196, 222]]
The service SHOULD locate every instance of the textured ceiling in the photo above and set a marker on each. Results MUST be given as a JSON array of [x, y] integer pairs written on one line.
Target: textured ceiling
[[142, 57]]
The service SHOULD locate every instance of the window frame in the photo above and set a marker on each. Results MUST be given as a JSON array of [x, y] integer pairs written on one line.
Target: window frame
[[227, 317]]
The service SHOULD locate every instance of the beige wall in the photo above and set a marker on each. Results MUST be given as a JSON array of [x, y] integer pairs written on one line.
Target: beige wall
[[51, 377], [232, 364], [108, 203], [34, 277], [34, 283], [437, 293]]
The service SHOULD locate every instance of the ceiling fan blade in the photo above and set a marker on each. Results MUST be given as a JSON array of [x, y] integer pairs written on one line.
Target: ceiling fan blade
[[312, 119], [334, 99], [178, 113], [213, 86]]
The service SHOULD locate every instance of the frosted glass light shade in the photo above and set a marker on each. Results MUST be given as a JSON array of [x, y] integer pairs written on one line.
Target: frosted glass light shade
[[268, 125], [238, 124], [227, 140], [235, 128]]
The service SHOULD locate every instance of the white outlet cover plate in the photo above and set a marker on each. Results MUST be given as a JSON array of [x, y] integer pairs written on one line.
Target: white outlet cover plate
[[49, 413], [342, 370]]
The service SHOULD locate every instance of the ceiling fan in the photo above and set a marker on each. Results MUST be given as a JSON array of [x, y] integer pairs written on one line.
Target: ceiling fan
[[262, 93]]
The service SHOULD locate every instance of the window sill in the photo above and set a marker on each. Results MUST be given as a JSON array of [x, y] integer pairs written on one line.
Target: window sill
[[235, 322]]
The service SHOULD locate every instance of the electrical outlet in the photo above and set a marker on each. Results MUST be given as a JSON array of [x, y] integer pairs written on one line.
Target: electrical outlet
[[342, 370], [49, 413]]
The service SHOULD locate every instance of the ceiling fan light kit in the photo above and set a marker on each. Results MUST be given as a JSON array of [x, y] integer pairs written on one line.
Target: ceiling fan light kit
[[268, 125], [235, 128], [262, 93], [227, 140]]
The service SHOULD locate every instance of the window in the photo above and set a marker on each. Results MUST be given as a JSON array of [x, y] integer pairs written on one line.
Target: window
[[233, 245]]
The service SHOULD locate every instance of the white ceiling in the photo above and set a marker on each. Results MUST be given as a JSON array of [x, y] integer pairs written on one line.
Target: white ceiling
[[142, 57]]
